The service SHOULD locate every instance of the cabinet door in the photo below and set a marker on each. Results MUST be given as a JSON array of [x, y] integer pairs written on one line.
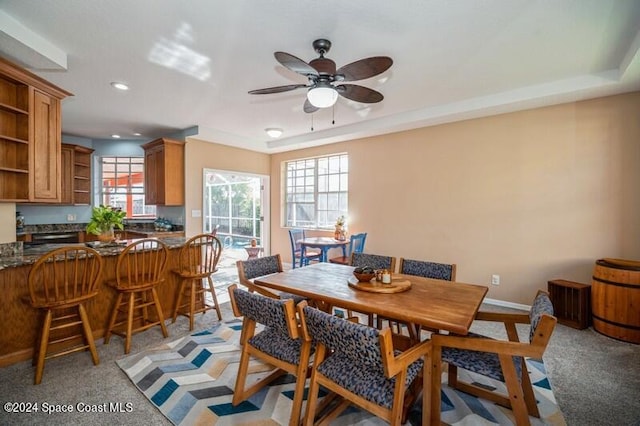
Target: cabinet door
[[45, 149], [66, 193], [151, 177]]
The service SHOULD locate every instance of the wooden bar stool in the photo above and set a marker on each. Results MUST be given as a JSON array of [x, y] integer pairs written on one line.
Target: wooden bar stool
[[140, 269], [198, 260], [60, 282]]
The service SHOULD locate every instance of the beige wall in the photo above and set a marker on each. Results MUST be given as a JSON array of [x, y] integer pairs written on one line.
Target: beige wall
[[531, 196], [201, 155]]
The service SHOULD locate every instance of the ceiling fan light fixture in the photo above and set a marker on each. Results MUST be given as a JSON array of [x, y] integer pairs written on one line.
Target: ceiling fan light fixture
[[322, 96], [273, 132]]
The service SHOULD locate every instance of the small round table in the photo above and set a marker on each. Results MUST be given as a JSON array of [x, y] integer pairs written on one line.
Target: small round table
[[253, 251]]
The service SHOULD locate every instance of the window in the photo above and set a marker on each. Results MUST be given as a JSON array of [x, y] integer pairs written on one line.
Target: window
[[123, 186], [316, 191]]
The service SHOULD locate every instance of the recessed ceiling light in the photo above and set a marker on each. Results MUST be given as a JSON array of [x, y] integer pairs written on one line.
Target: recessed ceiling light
[[115, 136], [119, 86], [273, 132], [137, 134]]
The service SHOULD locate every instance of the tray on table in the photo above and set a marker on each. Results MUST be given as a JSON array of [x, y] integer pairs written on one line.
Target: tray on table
[[397, 285]]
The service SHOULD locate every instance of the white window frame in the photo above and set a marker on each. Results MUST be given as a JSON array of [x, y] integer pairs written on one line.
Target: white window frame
[[317, 183], [137, 192]]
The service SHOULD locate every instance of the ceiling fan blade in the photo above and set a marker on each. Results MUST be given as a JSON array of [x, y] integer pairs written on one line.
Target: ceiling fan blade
[[295, 64], [365, 68], [276, 89], [308, 108], [359, 93]]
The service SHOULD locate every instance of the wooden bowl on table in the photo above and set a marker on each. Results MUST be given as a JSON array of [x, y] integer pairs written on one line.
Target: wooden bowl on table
[[364, 277]]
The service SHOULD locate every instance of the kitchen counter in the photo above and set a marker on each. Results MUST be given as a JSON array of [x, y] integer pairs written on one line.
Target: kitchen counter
[[146, 229], [31, 254], [21, 322]]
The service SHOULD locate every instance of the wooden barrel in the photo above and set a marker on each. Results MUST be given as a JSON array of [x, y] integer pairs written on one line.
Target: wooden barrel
[[615, 299]]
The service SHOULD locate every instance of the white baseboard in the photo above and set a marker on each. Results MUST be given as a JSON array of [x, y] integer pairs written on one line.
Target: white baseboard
[[507, 304]]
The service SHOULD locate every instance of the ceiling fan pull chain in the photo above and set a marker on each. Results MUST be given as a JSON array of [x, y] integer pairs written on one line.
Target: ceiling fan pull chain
[[311, 122], [333, 114]]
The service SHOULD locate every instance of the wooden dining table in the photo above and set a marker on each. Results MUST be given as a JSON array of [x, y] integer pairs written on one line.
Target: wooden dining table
[[434, 304], [324, 244]]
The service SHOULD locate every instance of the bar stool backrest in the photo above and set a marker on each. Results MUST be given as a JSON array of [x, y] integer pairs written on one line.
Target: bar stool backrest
[[65, 275], [142, 264]]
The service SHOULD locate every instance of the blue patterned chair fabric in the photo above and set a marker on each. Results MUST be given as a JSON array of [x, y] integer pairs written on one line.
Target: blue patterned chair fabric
[[274, 339], [373, 260], [541, 305], [488, 363], [356, 363], [266, 265], [440, 271], [260, 266]]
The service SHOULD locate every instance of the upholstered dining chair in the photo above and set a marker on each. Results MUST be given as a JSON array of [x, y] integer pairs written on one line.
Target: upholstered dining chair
[[421, 268], [279, 344], [295, 235], [362, 368], [60, 283], [428, 269], [198, 260], [356, 245], [499, 359], [140, 268], [250, 269], [375, 261]]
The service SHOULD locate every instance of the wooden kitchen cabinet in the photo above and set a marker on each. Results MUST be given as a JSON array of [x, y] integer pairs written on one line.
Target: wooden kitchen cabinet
[[30, 133], [76, 174], [164, 172]]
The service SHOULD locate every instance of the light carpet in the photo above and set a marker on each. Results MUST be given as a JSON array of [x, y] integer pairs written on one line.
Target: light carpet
[[191, 380]]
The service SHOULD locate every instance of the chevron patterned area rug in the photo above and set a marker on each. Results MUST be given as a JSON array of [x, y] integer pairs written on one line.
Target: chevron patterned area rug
[[191, 381]]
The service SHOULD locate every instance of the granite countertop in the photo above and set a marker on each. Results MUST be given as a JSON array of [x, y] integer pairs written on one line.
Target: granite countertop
[[30, 255], [145, 228]]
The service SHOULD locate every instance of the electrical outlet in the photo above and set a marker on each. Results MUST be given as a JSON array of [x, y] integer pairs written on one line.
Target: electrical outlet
[[71, 218], [495, 279]]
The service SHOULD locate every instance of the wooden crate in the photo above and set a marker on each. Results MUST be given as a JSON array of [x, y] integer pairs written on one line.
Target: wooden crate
[[571, 302]]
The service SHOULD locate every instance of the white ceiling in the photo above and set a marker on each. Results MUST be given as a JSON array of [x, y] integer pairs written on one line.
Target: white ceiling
[[452, 60]]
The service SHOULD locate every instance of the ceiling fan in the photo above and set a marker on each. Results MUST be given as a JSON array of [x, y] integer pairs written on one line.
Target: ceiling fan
[[325, 82]]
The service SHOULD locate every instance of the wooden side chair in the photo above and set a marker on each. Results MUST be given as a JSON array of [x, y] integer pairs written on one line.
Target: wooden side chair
[[498, 359], [278, 344], [60, 283], [198, 260], [356, 245], [362, 368], [140, 268], [310, 254]]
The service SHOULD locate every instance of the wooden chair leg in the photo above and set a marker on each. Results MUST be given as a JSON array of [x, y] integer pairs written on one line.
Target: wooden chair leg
[[179, 301], [112, 321], [129, 331], [527, 389], [516, 396], [158, 306], [88, 334], [241, 377], [214, 297], [301, 377], [44, 343], [192, 303]]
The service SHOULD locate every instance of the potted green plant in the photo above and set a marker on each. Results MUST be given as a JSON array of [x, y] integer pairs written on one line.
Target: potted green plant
[[103, 220]]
